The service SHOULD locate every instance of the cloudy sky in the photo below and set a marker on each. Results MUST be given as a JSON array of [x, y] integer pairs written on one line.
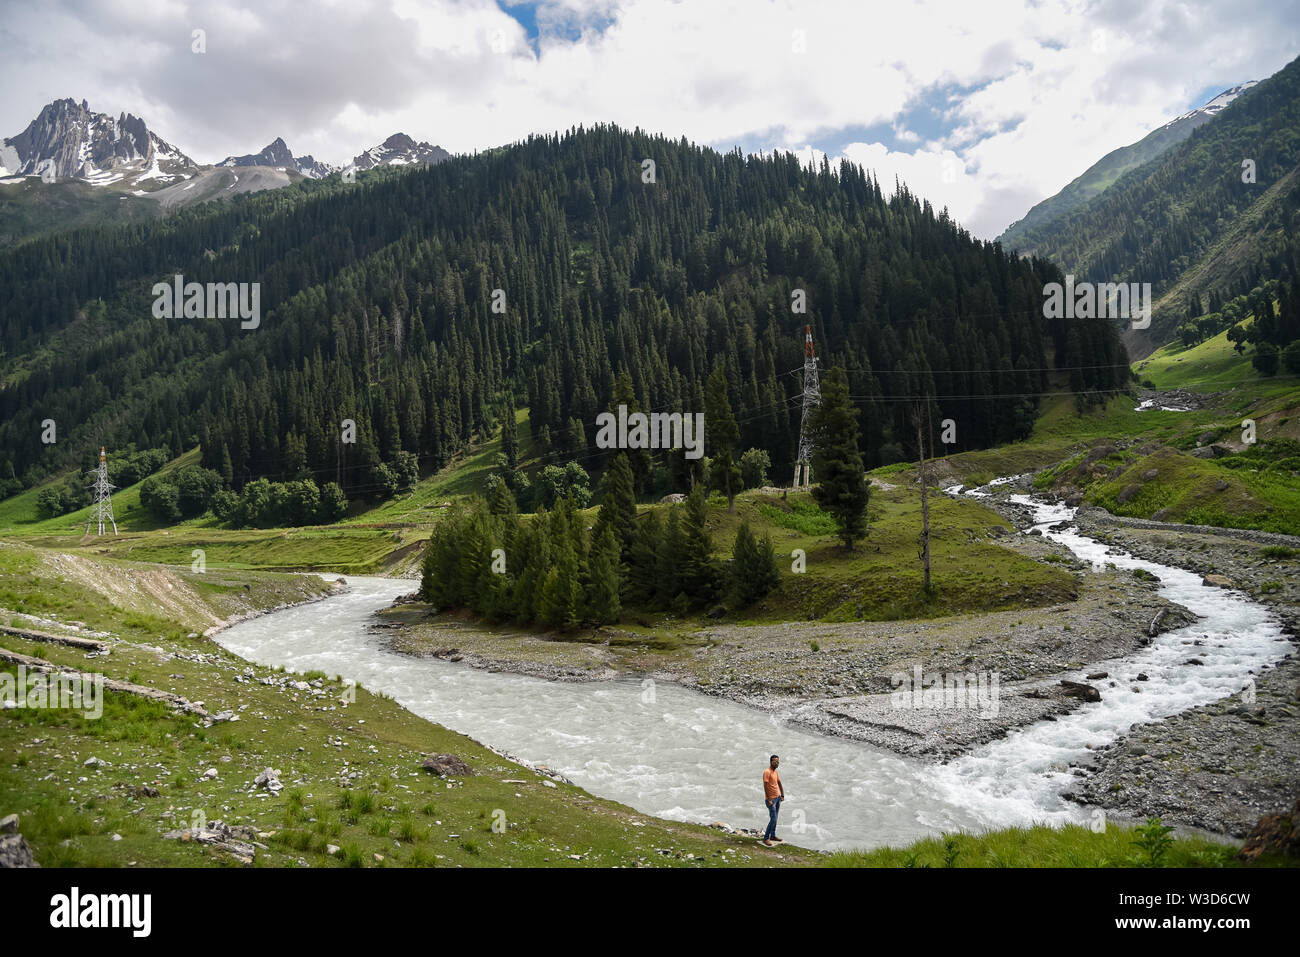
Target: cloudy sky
[[985, 106]]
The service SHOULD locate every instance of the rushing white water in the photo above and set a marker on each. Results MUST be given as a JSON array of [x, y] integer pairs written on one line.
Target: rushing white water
[[674, 753], [1019, 779], [1146, 405]]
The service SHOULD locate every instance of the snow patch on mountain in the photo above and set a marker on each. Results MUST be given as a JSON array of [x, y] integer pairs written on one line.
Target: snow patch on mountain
[[68, 140], [277, 155], [400, 150], [1214, 105]]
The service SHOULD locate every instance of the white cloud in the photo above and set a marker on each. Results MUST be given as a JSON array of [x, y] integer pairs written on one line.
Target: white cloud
[[1026, 102]]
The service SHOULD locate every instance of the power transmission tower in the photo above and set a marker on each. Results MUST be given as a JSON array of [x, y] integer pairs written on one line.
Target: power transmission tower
[[102, 507], [812, 398]]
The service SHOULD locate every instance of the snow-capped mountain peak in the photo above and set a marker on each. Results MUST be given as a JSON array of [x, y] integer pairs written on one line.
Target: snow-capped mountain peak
[[400, 150], [278, 155], [67, 140]]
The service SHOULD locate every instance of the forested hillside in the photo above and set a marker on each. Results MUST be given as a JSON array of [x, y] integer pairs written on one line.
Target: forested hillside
[[377, 305], [1191, 210], [1101, 175]]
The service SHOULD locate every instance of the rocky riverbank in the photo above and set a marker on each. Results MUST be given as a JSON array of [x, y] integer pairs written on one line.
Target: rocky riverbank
[[1224, 765], [1219, 767]]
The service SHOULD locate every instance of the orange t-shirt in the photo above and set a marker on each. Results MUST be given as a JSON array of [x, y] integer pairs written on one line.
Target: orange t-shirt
[[771, 784]]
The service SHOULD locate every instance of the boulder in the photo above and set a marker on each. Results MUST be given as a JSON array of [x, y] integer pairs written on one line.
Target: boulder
[[1217, 581], [1274, 834], [235, 840], [9, 824], [14, 852], [446, 765], [1127, 493], [1077, 689]]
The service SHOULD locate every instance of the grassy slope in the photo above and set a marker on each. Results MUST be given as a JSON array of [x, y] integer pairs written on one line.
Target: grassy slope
[[464, 476], [33, 208], [881, 579], [1233, 251], [18, 514], [1208, 491], [69, 812], [1184, 489], [1041, 846], [1209, 366]]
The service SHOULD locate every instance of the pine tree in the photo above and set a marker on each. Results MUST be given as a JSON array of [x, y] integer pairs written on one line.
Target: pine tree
[[560, 599], [438, 569], [618, 507], [604, 579], [501, 501], [532, 558], [510, 438], [754, 571], [670, 575], [723, 434], [699, 569], [637, 459], [642, 579], [841, 486]]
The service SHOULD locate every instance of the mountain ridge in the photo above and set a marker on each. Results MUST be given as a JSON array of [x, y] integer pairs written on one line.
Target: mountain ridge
[[1106, 171], [69, 141], [1206, 220]]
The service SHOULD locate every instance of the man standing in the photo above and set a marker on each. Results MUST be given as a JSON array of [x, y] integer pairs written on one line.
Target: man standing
[[773, 795]]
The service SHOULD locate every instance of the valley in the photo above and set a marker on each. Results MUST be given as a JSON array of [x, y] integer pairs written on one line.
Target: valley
[[531, 503]]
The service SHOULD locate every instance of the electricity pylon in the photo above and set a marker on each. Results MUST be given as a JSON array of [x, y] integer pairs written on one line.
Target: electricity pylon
[[102, 507], [812, 398]]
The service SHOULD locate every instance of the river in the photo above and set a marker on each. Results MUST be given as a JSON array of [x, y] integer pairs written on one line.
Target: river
[[674, 753]]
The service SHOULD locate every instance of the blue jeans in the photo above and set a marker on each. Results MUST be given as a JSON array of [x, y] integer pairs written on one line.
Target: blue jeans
[[773, 807]]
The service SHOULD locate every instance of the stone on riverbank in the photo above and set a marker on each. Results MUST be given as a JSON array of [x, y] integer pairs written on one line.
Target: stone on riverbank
[[446, 765], [1274, 834]]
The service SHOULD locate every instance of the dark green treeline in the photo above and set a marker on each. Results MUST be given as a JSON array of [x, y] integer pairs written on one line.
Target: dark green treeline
[[378, 300]]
